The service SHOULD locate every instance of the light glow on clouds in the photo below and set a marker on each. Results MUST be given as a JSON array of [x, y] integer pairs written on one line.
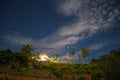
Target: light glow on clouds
[[92, 16]]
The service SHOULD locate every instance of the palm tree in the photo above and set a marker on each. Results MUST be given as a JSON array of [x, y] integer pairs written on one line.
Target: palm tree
[[27, 49], [85, 52], [79, 56], [72, 53]]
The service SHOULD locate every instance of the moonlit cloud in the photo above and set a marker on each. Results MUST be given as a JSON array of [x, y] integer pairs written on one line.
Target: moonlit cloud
[[17, 39], [46, 45], [96, 46], [91, 17], [99, 45]]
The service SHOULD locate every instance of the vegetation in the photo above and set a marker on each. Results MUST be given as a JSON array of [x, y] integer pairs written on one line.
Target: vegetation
[[27, 49], [104, 68], [72, 53], [85, 52], [110, 65]]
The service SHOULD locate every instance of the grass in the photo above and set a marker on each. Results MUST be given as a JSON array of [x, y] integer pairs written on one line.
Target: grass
[[52, 69], [8, 71]]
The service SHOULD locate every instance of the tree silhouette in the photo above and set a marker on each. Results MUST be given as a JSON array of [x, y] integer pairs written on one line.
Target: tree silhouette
[[72, 53], [56, 57], [27, 49], [85, 52], [79, 56]]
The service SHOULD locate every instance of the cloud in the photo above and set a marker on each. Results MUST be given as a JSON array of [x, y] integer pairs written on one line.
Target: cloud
[[17, 39], [46, 45], [68, 7], [96, 46], [108, 42], [91, 17]]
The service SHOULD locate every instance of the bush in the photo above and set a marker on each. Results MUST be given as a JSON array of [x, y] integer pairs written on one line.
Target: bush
[[111, 69], [80, 78]]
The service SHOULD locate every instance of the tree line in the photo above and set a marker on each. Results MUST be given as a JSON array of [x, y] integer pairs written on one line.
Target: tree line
[[106, 67], [16, 59], [24, 56]]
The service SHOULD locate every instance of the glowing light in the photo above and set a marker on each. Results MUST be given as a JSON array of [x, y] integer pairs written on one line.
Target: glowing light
[[43, 57]]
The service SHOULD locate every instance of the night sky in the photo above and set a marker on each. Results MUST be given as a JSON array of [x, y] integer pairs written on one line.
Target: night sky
[[59, 26]]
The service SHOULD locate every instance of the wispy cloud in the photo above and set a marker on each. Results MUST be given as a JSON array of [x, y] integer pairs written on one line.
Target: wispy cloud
[[99, 45], [92, 16], [16, 39], [96, 46], [45, 45]]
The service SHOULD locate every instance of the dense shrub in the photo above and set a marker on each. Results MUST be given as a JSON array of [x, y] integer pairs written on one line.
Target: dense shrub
[[111, 68], [80, 78], [108, 68]]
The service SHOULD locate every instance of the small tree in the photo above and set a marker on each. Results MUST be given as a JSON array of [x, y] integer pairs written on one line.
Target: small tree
[[26, 53], [56, 57], [27, 49], [79, 56], [72, 53], [85, 52]]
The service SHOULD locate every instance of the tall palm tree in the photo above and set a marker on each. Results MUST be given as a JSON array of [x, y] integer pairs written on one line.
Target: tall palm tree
[[27, 49], [85, 52], [79, 56], [72, 53]]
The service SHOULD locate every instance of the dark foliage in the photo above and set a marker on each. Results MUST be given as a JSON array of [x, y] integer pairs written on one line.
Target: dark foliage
[[109, 65]]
